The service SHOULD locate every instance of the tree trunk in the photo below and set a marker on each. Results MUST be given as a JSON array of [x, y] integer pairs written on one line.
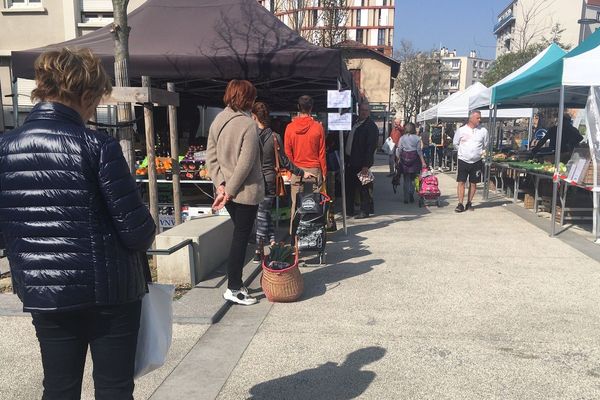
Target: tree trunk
[[121, 36]]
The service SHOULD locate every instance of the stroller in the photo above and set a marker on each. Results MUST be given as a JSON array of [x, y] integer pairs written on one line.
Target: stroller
[[428, 188], [310, 222]]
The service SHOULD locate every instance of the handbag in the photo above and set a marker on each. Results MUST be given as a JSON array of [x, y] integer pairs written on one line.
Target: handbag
[[156, 329], [279, 182]]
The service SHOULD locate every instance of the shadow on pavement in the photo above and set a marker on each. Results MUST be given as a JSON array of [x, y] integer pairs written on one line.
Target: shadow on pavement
[[317, 282], [326, 382]]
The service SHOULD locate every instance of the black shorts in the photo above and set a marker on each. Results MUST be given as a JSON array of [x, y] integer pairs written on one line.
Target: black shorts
[[470, 172]]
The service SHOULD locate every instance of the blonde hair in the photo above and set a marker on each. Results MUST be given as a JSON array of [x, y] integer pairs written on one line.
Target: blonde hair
[[72, 75]]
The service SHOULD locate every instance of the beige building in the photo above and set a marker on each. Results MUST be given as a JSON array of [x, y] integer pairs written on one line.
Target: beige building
[[370, 22], [526, 22], [373, 74], [26, 24]]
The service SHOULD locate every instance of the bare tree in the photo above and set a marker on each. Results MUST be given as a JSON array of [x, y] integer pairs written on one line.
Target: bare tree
[[531, 28], [120, 31], [418, 81]]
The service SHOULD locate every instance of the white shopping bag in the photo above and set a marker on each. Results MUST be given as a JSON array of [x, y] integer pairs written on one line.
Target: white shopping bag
[[156, 329], [388, 146]]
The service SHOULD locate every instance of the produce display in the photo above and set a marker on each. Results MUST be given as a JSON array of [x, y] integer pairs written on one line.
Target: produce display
[[192, 166], [543, 168]]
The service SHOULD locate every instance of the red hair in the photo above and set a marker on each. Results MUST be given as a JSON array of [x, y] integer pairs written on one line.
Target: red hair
[[239, 95]]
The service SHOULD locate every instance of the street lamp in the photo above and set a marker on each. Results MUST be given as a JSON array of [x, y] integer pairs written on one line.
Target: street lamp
[[583, 22]]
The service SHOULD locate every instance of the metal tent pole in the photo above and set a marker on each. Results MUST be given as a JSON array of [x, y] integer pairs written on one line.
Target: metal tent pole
[[556, 179], [488, 156], [342, 169], [15, 103], [530, 130]]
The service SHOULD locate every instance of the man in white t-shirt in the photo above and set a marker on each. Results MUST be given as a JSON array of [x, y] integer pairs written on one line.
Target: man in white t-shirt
[[470, 140]]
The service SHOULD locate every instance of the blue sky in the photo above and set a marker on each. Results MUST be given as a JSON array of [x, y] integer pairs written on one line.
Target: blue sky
[[457, 24]]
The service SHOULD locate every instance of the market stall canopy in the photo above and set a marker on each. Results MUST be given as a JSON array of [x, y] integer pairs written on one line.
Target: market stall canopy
[[201, 45], [456, 107], [550, 54], [578, 70]]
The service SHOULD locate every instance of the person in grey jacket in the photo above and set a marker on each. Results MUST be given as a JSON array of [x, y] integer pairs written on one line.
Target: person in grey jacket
[[270, 142], [233, 157]]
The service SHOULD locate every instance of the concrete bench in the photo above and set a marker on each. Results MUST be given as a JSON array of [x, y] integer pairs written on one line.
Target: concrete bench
[[211, 236]]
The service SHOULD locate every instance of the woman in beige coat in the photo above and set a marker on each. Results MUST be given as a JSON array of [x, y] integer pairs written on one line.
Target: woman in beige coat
[[234, 163]]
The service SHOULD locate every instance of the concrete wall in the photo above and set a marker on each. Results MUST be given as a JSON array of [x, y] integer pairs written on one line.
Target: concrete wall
[[375, 78], [55, 23]]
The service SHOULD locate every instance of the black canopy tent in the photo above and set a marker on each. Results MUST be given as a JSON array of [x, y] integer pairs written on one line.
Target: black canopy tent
[[201, 44]]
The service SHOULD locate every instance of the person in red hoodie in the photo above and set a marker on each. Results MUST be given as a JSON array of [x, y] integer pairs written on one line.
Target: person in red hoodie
[[304, 144], [396, 134]]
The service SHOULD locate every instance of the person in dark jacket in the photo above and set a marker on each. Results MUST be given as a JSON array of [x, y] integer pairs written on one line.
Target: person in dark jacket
[[360, 151], [76, 230], [270, 141]]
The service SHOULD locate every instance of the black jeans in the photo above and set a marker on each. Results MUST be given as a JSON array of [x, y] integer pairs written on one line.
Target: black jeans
[[243, 217], [352, 184], [110, 331]]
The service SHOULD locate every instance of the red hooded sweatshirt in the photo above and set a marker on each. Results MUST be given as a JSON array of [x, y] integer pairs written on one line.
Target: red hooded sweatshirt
[[305, 143]]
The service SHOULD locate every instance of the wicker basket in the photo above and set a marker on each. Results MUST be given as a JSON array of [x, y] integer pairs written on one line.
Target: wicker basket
[[282, 286]]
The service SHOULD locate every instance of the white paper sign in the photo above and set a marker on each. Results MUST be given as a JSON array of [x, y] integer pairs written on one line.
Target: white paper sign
[[339, 122], [337, 99]]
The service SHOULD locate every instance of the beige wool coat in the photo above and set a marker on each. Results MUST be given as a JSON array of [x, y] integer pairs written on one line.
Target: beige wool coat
[[233, 156]]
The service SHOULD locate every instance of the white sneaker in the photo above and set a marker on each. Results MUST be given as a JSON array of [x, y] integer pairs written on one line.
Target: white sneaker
[[239, 296]]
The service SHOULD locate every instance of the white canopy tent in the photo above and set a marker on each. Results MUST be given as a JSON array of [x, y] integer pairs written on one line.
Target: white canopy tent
[[457, 107]]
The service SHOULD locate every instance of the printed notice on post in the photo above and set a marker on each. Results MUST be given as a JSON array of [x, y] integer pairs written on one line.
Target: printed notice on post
[[339, 99], [339, 122]]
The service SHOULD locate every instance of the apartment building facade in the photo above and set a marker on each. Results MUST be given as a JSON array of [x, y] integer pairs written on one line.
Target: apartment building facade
[[525, 22], [26, 24], [369, 22]]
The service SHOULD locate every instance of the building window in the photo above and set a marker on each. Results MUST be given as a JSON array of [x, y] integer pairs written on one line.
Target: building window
[[360, 36], [315, 17], [385, 2], [455, 64], [378, 17], [453, 83], [358, 17], [23, 3], [380, 37], [364, 3]]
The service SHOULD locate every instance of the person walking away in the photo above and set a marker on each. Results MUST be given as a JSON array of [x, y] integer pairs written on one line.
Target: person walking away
[[410, 155], [425, 144], [233, 158], [305, 147], [471, 141], [396, 133], [360, 149], [271, 143], [76, 231]]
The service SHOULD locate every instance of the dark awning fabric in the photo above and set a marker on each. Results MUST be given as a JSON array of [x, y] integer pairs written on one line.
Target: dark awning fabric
[[202, 44]]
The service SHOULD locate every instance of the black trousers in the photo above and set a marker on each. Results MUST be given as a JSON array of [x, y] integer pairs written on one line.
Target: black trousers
[[353, 184], [111, 333], [243, 217]]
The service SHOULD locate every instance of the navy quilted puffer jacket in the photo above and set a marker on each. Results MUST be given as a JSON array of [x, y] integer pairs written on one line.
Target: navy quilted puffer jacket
[[75, 227]]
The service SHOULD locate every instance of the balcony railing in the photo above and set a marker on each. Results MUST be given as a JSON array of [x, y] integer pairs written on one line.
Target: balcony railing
[[503, 22]]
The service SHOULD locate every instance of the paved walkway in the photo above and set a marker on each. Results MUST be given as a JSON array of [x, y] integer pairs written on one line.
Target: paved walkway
[[414, 304]]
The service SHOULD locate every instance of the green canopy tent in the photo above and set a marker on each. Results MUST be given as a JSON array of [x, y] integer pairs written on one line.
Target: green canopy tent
[[565, 82]]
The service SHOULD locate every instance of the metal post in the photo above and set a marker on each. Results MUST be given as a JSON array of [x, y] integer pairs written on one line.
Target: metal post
[[530, 130], [342, 170], [15, 103], [488, 156], [2, 125], [174, 136], [561, 110]]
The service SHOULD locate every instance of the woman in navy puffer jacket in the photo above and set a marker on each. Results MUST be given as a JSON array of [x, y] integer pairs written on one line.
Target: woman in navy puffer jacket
[[76, 231]]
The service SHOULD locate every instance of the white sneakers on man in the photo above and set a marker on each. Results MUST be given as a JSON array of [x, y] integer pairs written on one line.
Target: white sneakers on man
[[239, 296]]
